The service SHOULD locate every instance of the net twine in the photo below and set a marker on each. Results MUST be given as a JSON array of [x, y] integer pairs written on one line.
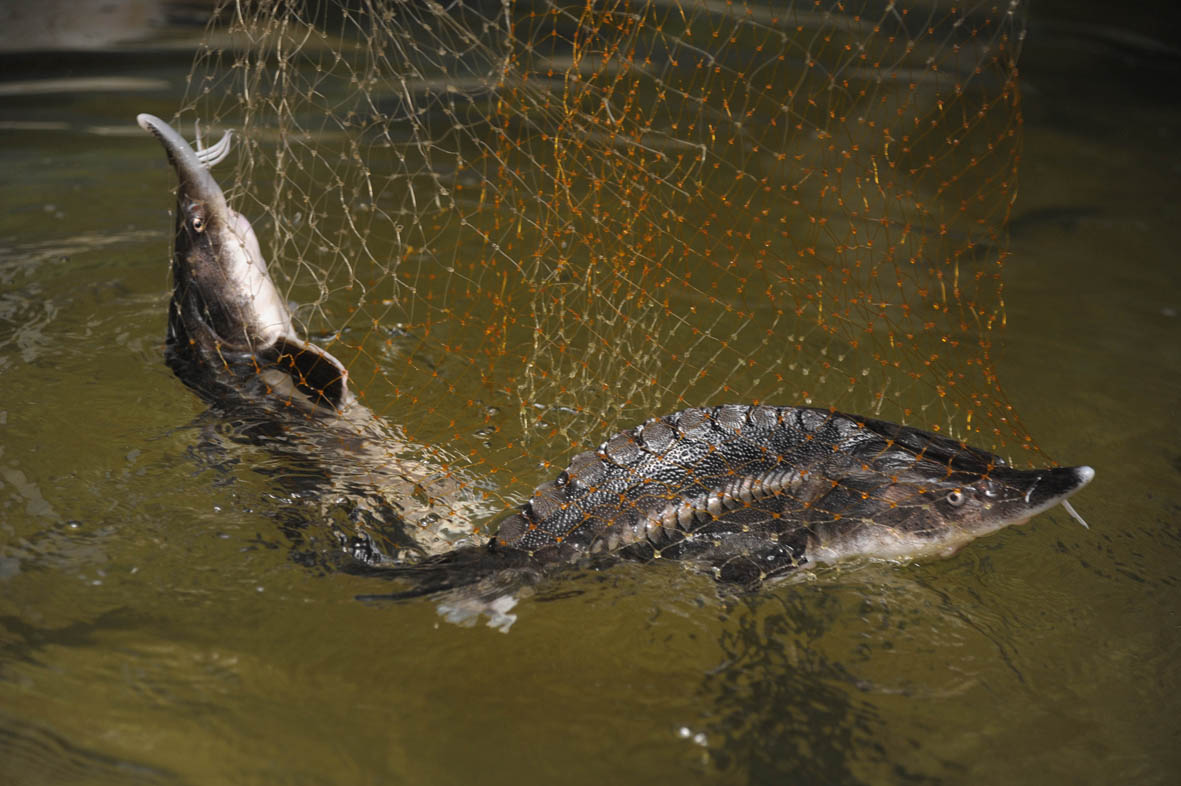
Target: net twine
[[526, 225]]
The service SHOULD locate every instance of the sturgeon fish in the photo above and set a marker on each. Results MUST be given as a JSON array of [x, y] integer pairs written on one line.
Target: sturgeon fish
[[229, 331], [747, 492], [751, 493], [231, 339]]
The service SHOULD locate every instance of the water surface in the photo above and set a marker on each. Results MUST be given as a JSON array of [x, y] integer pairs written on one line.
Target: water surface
[[155, 626]]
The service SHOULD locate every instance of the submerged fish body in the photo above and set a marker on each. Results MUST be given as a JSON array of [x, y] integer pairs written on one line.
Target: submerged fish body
[[748, 492]]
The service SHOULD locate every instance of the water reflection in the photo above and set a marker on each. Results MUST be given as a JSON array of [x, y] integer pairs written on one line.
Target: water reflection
[[782, 706], [35, 754]]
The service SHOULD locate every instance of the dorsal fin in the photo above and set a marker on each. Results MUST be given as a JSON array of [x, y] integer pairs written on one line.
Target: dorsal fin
[[936, 447]]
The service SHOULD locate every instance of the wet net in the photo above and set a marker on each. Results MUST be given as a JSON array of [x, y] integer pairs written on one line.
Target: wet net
[[524, 226]]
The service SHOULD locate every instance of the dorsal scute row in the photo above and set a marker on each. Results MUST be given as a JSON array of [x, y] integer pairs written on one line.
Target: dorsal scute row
[[674, 470]]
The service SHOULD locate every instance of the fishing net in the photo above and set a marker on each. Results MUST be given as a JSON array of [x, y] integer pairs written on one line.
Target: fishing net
[[523, 226]]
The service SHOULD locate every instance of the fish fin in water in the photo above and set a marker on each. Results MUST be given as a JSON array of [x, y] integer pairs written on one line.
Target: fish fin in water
[[466, 611], [470, 582]]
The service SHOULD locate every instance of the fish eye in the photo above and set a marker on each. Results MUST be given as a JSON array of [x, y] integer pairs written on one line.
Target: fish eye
[[956, 498]]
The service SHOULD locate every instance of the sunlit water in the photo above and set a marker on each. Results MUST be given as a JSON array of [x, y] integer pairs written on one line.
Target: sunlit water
[[155, 627]]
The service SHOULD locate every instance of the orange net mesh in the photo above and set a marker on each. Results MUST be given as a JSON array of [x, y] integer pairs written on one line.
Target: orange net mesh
[[524, 226]]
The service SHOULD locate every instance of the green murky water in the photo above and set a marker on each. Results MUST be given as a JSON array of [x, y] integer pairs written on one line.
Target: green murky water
[[154, 627]]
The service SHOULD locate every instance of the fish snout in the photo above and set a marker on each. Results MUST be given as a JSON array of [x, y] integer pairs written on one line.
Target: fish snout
[[1052, 486]]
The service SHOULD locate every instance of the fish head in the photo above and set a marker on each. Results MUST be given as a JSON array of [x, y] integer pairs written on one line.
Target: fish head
[[222, 292], [912, 505], [225, 308]]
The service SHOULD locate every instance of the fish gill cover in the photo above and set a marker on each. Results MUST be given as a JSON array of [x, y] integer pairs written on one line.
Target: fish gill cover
[[524, 226]]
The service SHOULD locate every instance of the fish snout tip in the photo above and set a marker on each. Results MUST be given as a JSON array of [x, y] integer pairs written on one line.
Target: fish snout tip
[[1047, 487]]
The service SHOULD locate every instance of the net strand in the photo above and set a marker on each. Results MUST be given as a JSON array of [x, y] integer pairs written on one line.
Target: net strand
[[526, 225]]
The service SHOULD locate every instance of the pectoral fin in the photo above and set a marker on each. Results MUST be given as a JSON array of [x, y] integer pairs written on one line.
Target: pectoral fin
[[314, 371]]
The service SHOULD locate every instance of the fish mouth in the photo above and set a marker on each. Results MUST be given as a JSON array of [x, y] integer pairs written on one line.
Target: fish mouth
[[1052, 486]]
